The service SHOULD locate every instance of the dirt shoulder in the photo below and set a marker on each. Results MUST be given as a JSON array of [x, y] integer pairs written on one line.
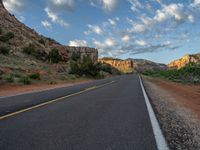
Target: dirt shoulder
[[177, 108], [7, 90]]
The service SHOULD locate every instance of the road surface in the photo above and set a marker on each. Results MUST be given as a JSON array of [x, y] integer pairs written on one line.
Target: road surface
[[108, 114]]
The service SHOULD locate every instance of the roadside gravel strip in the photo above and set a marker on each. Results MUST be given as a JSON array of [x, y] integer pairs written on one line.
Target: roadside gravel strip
[[179, 125]]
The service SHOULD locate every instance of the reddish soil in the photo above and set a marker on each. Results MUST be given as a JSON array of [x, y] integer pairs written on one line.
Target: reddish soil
[[186, 95], [8, 90]]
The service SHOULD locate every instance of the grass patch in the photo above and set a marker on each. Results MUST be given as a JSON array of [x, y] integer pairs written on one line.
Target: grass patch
[[25, 80]]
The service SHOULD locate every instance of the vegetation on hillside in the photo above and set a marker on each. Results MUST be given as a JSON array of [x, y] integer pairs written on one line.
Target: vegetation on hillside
[[86, 67], [188, 74]]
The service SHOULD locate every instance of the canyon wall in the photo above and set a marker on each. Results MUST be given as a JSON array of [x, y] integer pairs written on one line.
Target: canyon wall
[[125, 66], [24, 36], [179, 63]]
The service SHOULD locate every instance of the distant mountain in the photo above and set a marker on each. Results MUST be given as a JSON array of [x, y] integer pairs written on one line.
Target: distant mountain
[[141, 65], [182, 62]]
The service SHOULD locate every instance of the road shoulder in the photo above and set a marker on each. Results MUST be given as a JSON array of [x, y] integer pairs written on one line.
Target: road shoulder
[[178, 116]]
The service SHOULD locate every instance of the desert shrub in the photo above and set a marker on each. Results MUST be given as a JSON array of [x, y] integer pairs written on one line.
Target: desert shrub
[[75, 56], [7, 37], [9, 78], [87, 67], [38, 54], [25, 80], [42, 41], [4, 50], [1, 31], [54, 56], [29, 49], [35, 76]]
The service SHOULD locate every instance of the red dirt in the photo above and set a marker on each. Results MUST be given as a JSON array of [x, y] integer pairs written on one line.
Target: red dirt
[[186, 95], [8, 90]]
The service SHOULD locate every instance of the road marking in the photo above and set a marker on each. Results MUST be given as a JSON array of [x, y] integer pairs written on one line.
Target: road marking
[[160, 140], [54, 100]]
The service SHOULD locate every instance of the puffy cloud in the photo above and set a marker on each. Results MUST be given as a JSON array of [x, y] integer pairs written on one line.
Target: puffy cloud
[[140, 42], [94, 29], [14, 6], [126, 38], [106, 5], [46, 24], [78, 43], [107, 44], [61, 5], [55, 18], [196, 3]]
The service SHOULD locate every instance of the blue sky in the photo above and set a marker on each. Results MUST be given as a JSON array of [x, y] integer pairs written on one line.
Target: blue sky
[[158, 30]]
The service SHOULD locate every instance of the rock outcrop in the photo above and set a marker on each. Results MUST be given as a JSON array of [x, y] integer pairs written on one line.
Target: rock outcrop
[[125, 66], [142, 65], [179, 63], [24, 36]]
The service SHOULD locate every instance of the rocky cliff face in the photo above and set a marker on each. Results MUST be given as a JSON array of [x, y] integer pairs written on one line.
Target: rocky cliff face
[[142, 65], [179, 63], [24, 36], [125, 66]]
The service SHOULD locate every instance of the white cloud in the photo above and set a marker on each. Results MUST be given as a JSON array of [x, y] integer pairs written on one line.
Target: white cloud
[[46, 24], [196, 3], [140, 42], [109, 5], [55, 18], [107, 44], [61, 5], [78, 43], [106, 5], [94, 29], [13, 6], [126, 38]]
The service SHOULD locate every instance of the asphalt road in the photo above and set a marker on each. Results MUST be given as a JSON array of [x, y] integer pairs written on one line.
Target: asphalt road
[[111, 117]]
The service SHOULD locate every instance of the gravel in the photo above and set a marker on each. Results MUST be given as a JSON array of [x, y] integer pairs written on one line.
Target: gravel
[[179, 124]]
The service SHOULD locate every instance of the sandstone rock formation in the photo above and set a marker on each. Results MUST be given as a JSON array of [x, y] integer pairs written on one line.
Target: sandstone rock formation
[[24, 36], [179, 63], [125, 66]]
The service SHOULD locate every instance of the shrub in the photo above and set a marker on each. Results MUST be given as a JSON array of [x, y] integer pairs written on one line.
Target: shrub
[[1, 31], [9, 78], [38, 54], [29, 49], [7, 37], [75, 56], [35, 76], [25, 80], [4, 50], [86, 67], [42, 41], [54, 56]]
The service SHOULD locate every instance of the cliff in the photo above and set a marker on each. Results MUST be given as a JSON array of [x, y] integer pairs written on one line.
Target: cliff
[[179, 63], [24, 36], [125, 66]]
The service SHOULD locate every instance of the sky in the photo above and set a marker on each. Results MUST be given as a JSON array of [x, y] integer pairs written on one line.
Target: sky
[[157, 30]]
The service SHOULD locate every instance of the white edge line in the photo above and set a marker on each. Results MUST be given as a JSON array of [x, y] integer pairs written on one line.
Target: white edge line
[[159, 137]]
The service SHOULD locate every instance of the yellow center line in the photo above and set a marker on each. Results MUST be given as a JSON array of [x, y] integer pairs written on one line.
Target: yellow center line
[[52, 101]]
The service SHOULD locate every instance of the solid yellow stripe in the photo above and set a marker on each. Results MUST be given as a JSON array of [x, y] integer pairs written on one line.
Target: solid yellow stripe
[[52, 101]]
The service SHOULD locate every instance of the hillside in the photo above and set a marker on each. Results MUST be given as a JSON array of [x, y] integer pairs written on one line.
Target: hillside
[[182, 62], [24, 53]]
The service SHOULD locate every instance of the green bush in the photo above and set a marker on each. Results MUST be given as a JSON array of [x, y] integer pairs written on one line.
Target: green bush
[[42, 41], [38, 54], [35, 76], [4, 50], [54, 56], [25, 80], [75, 56], [7, 37], [87, 67], [9, 78]]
